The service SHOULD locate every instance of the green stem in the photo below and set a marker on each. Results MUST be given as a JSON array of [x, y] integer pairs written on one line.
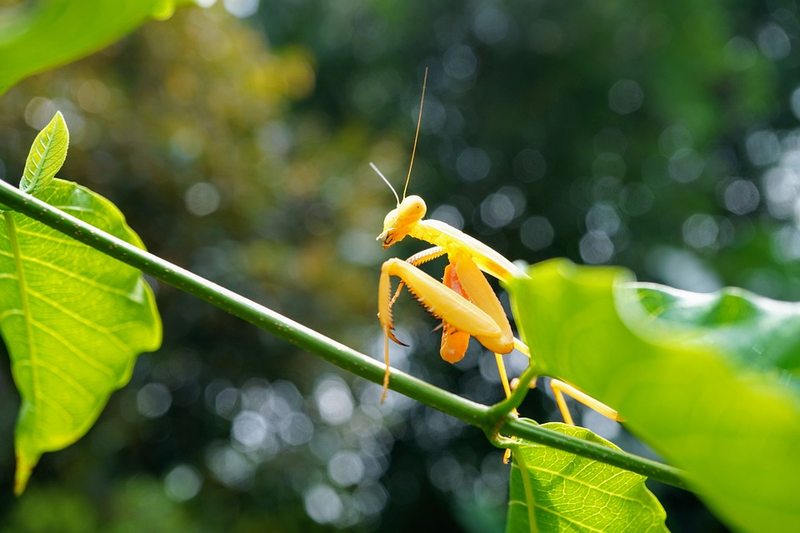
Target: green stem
[[498, 411], [531, 431], [482, 416]]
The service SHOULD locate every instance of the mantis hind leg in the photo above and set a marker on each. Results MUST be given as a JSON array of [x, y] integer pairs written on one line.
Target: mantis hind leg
[[501, 367], [560, 388]]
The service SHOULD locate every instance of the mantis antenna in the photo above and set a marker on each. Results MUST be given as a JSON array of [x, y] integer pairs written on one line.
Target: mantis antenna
[[385, 181], [413, 150], [416, 135]]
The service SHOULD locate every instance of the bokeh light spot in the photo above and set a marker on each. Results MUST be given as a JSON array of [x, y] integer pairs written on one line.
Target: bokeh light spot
[[625, 97], [325, 443], [473, 164], [226, 403], [536, 233], [497, 210], [700, 231], [334, 401], [740, 53], [460, 62], [182, 483], [786, 244], [296, 429], [490, 24], [686, 165], [774, 42], [741, 197], [275, 138], [323, 504], [153, 400], [763, 147], [529, 165], [241, 8], [781, 190], [249, 429], [795, 102], [596, 248], [448, 214], [673, 139], [370, 499], [93, 96], [39, 111], [446, 473], [202, 199], [230, 467], [346, 469], [603, 218], [186, 144]]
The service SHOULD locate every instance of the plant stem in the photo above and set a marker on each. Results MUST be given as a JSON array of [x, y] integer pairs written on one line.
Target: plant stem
[[652, 469], [489, 419]]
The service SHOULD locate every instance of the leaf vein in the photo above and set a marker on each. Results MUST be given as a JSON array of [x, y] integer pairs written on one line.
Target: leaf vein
[[80, 319], [79, 277], [64, 376], [105, 369], [585, 484]]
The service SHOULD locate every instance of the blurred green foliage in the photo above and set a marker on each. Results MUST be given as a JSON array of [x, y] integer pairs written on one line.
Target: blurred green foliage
[[656, 136], [684, 369], [35, 36]]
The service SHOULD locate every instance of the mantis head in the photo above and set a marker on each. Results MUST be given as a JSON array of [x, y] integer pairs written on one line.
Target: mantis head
[[401, 220]]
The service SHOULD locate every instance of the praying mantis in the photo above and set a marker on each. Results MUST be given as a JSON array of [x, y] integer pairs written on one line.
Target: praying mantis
[[464, 301]]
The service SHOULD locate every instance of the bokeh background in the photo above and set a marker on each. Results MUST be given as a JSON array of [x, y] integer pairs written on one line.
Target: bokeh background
[[661, 136]]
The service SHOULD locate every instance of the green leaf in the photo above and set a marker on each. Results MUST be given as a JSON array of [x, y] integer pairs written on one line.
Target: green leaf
[[47, 155], [708, 380], [73, 320], [552, 490], [36, 36]]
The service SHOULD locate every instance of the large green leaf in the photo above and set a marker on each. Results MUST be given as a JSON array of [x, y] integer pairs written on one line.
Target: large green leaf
[[709, 380], [552, 490], [35, 36], [73, 319]]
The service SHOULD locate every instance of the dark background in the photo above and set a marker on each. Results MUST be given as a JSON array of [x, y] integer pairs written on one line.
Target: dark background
[[660, 136]]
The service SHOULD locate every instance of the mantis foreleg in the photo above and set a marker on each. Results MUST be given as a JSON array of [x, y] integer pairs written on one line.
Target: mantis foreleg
[[464, 301]]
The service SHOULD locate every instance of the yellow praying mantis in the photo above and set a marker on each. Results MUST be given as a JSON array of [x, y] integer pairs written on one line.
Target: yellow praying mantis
[[464, 301]]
